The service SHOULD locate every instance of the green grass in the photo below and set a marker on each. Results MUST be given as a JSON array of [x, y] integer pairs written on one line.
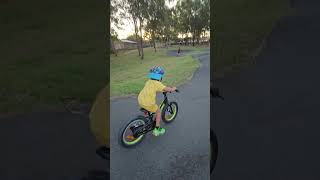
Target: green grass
[[129, 72], [241, 26], [51, 51]]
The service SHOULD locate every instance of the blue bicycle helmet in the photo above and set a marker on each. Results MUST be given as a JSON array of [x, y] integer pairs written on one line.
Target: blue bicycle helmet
[[156, 73]]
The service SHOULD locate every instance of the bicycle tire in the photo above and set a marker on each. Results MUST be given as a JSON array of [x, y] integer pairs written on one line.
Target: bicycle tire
[[213, 150], [122, 130], [163, 113]]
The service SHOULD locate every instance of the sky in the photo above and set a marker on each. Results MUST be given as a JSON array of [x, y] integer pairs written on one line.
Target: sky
[[128, 28]]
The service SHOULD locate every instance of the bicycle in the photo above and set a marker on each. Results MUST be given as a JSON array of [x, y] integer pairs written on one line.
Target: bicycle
[[134, 131], [213, 138]]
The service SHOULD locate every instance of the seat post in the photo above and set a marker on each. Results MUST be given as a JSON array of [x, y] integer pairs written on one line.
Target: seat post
[[146, 112]]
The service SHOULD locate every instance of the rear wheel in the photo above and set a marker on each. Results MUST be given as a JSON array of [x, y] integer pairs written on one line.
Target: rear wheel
[[169, 112], [127, 138], [213, 150]]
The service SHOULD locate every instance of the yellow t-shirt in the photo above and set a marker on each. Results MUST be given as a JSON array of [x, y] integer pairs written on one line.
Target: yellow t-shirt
[[99, 118], [147, 96]]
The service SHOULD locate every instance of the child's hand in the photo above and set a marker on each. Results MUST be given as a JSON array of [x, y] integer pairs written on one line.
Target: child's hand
[[170, 89]]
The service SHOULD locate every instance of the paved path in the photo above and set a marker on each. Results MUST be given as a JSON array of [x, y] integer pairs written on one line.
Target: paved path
[[268, 126], [183, 152]]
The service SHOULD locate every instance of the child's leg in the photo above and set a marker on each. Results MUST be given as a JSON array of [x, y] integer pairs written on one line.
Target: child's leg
[[158, 117], [158, 130]]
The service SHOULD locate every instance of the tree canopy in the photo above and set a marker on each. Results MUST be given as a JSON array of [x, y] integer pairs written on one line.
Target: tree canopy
[[155, 20]]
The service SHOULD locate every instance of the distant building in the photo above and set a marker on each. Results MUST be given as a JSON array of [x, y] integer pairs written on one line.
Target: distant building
[[125, 44]]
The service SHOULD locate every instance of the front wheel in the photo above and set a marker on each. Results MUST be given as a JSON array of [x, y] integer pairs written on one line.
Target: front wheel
[[169, 112], [127, 138]]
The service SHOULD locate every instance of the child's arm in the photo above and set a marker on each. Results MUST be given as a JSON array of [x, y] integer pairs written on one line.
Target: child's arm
[[169, 89]]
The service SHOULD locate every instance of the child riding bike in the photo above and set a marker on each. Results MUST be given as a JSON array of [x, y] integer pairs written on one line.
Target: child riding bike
[[147, 96]]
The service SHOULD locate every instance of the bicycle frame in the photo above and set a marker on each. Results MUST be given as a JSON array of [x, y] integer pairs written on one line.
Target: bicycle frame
[[150, 124], [164, 101]]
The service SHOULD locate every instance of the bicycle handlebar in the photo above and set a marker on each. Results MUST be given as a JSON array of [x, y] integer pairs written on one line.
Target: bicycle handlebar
[[171, 92]]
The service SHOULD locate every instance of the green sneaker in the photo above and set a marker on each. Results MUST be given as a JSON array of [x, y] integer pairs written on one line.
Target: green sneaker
[[158, 131]]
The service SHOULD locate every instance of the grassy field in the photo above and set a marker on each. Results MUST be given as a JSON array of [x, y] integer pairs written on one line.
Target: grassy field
[[241, 27], [51, 51], [129, 72]]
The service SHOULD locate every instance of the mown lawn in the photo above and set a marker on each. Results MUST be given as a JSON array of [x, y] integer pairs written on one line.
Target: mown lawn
[[129, 72], [50, 51], [240, 28]]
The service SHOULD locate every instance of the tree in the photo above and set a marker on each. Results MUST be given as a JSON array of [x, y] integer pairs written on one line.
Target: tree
[[193, 17], [113, 38], [142, 7], [136, 31], [183, 17], [205, 13], [131, 12], [133, 37], [114, 5], [137, 11], [204, 19], [156, 15], [195, 23], [168, 26]]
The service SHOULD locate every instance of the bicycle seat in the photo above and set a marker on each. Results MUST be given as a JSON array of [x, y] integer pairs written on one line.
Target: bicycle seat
[[144, 110]]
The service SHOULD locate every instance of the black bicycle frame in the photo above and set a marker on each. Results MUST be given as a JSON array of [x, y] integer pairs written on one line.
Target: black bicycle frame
[[150, 123], [165, 100], [143, 129]]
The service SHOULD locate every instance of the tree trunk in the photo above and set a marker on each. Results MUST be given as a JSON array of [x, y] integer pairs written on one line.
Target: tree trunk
[[203, 36], [186, 39], [136, 33], [193, 37], [154, 42], [138, 46], [141, 40], [198, 37]]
